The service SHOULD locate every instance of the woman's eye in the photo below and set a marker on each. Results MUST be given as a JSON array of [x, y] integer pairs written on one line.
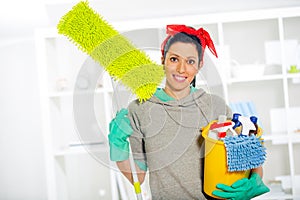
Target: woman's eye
[[173, 59], [191, 61]]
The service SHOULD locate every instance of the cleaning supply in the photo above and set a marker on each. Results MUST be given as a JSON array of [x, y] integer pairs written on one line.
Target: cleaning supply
[[243, 189], [253, 119], [235, 119], [247, 125], [115, 53], [244, 152], [215, 163], [220, 129], [237, 124], [236, 154], [119, 131]]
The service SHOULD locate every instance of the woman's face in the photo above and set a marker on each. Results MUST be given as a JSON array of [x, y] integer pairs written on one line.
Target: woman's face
[[181, 65]]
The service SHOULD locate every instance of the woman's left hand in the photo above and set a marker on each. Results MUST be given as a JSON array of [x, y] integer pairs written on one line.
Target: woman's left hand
[[243, 189]]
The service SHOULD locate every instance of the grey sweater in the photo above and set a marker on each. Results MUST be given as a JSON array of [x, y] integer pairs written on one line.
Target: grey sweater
[[167, 138]]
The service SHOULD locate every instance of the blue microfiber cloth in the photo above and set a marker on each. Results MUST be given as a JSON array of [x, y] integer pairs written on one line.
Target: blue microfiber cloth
[[244, 152]]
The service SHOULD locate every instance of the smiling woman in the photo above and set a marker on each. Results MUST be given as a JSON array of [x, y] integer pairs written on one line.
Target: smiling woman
[[165, 142], [165, 131], [181, 66]]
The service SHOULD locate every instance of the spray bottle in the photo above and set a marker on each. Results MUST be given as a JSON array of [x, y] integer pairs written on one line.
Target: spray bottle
[[219, 129], [235, 119], [237, 124], [247, 125], [254, 121]]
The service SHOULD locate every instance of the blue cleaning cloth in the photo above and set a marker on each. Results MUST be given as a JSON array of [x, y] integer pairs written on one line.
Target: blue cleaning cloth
[[244, 152]]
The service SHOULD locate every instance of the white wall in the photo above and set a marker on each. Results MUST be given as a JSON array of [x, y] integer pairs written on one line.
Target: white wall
[[22, 174]]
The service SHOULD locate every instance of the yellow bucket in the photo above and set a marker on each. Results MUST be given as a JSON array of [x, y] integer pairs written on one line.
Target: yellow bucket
[[215, 165]]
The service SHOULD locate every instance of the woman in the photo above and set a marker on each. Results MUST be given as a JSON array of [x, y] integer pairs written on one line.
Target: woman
[[164, 131]]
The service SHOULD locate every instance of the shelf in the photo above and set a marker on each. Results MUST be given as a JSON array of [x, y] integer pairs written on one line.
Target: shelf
[[48, 33], [56, 94], [286, 182], [281, 188], [274, 196], [293, 76], [283, 139], [82, 149], [253, 79]]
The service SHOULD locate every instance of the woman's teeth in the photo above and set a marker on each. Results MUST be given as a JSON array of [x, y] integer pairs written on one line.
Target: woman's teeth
[[179, 78]]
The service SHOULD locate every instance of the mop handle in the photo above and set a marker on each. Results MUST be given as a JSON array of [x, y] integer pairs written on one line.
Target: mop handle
[[136, 183]]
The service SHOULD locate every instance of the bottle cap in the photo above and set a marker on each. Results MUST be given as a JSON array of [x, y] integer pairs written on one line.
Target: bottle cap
[[235, 117], [253, 119]]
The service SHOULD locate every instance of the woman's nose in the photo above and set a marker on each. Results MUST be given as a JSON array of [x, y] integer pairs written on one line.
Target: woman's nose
[[181, 66]]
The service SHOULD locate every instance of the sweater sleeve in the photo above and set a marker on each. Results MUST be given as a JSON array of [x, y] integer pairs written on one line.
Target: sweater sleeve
[[137, 137]]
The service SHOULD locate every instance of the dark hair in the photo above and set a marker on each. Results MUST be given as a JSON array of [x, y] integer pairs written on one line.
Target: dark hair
[[185, 38]]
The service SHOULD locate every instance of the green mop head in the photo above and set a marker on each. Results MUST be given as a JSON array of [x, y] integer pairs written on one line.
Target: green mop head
[[115, 53]]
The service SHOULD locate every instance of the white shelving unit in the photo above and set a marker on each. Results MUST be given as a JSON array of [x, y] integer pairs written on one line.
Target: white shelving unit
[[242, 34], [76, 152]]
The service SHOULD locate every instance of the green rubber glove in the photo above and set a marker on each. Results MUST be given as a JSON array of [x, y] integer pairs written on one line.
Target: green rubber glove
[[119, 130], [243, 189]]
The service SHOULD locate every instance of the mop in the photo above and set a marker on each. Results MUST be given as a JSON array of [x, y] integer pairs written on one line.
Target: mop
[[244, 152], [115, 53]]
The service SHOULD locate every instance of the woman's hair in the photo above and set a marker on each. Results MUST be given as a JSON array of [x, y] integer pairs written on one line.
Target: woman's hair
[[185, 38]]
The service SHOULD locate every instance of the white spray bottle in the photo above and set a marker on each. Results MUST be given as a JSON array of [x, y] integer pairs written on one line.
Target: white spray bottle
[[247, 125]]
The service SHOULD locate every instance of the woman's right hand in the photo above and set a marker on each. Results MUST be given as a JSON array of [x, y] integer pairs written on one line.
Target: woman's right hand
[[119, 131]]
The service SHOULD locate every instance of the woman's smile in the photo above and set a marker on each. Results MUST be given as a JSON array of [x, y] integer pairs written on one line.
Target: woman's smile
[[179, 78]]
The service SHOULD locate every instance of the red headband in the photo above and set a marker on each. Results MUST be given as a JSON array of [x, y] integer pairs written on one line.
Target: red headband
[[202, 34]]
